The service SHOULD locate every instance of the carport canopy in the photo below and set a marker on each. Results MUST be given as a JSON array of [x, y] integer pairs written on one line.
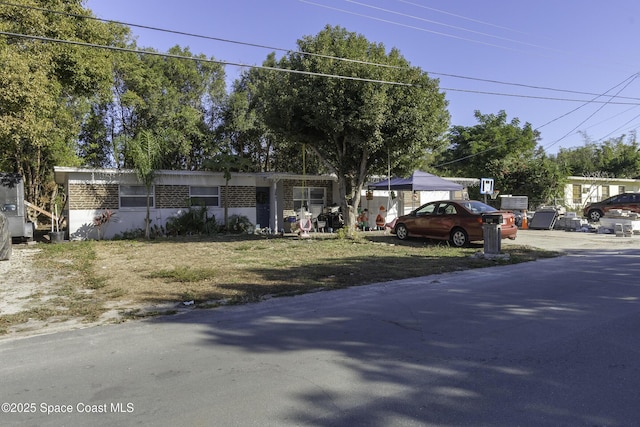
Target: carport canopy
[[418, 181]]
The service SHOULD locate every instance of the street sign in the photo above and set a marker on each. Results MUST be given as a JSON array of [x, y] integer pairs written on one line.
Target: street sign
[[486, 185]]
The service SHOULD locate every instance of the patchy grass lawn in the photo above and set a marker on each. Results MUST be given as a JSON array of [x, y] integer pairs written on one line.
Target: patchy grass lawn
[[141, 278]]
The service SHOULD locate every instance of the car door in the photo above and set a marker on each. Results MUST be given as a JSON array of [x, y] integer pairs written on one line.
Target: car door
[[442, 221], [621, 201], [634, 203], [422, 221]]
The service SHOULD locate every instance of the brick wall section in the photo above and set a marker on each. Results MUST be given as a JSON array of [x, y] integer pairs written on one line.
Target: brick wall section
[[288, 190], [93, 196], [106, 196], [172, 196], [239, 196]]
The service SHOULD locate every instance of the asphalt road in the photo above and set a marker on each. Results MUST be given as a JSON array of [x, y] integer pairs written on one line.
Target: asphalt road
[[549, 343]]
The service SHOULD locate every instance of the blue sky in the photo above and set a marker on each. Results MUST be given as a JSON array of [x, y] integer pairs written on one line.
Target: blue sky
[[579, 48]]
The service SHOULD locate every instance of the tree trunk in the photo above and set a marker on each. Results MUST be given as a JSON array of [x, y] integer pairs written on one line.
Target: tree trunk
[[147, 218]]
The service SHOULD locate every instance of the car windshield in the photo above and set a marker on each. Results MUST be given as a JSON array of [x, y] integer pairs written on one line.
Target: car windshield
[[477, 207]]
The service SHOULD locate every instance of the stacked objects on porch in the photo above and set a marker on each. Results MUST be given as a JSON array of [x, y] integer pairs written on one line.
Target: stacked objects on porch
[[621, 222], [290, 221], [332, 218]]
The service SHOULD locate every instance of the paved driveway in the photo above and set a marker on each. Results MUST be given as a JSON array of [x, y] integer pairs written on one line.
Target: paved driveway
[[572, 242]]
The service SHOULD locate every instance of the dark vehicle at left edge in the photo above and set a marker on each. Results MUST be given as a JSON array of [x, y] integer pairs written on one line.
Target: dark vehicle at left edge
[[458, 221]]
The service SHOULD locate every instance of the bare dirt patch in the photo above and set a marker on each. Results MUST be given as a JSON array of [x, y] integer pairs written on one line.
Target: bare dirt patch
[[24, 288], [35, 297], [20, 281]]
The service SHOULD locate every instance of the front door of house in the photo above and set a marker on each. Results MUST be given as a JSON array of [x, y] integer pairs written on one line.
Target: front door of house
[[262, 207]]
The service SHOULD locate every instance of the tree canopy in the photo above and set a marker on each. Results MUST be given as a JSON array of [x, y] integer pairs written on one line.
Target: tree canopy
[[48, 87], [473, 148], [615, 157], [353, 126], [504, 151], [180, 97]]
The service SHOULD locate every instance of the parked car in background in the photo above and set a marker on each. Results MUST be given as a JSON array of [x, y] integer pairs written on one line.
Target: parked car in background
[[458, 221], [625, 201]]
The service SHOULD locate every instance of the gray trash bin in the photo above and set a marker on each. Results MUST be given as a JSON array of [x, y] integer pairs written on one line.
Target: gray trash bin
[[492, 233]]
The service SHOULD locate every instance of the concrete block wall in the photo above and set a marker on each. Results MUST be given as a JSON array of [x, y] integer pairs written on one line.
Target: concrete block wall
[[106, 196], [239, 196], [172, 196], [93, 196]]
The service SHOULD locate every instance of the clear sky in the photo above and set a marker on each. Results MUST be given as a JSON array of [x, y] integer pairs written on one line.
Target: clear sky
[[578, 48]]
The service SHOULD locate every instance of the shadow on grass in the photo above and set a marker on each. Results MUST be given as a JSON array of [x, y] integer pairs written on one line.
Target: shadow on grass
[[413, 241], [337, 272]]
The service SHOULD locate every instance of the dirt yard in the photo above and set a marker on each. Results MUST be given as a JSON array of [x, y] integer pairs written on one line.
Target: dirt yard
[[19, 281], [22, 286], [27, 288]]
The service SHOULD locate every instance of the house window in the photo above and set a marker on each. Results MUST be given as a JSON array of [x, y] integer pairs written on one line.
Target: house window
[[308, 196], [622, 189], [204, 196], [605, 192], [135, 196], [577, 194]]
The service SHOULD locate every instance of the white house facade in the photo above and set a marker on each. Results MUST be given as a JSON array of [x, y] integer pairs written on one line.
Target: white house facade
[[580, 190], [264, 198]]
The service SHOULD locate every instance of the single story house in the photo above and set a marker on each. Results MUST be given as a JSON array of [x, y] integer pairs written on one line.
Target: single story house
[[580, 190], [266, 199]]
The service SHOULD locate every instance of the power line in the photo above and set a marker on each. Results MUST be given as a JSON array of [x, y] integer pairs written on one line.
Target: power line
[[631, 80], [611, 117], [525, 85], [224, 40], [619, 127], [440, 23], [461, 17], [407, 26], [286, 70], [609, 101], [214, 61], [455, 27], [586, 103], [200, 36], [547, 98]]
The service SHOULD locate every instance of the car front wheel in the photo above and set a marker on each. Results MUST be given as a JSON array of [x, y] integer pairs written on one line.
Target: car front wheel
[[401, 231], [595, 215], [459, 238]]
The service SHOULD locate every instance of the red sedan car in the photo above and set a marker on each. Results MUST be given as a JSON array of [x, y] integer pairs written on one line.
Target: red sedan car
[[458, 221]]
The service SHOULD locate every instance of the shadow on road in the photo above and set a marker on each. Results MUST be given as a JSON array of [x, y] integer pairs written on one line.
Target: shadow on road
[[543, 343]]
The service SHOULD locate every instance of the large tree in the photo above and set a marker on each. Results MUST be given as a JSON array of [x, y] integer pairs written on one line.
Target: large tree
[[241, 131], [492, 140], [506, 152], [47, 87], [181, 94], [354, 126], [537, 176]]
